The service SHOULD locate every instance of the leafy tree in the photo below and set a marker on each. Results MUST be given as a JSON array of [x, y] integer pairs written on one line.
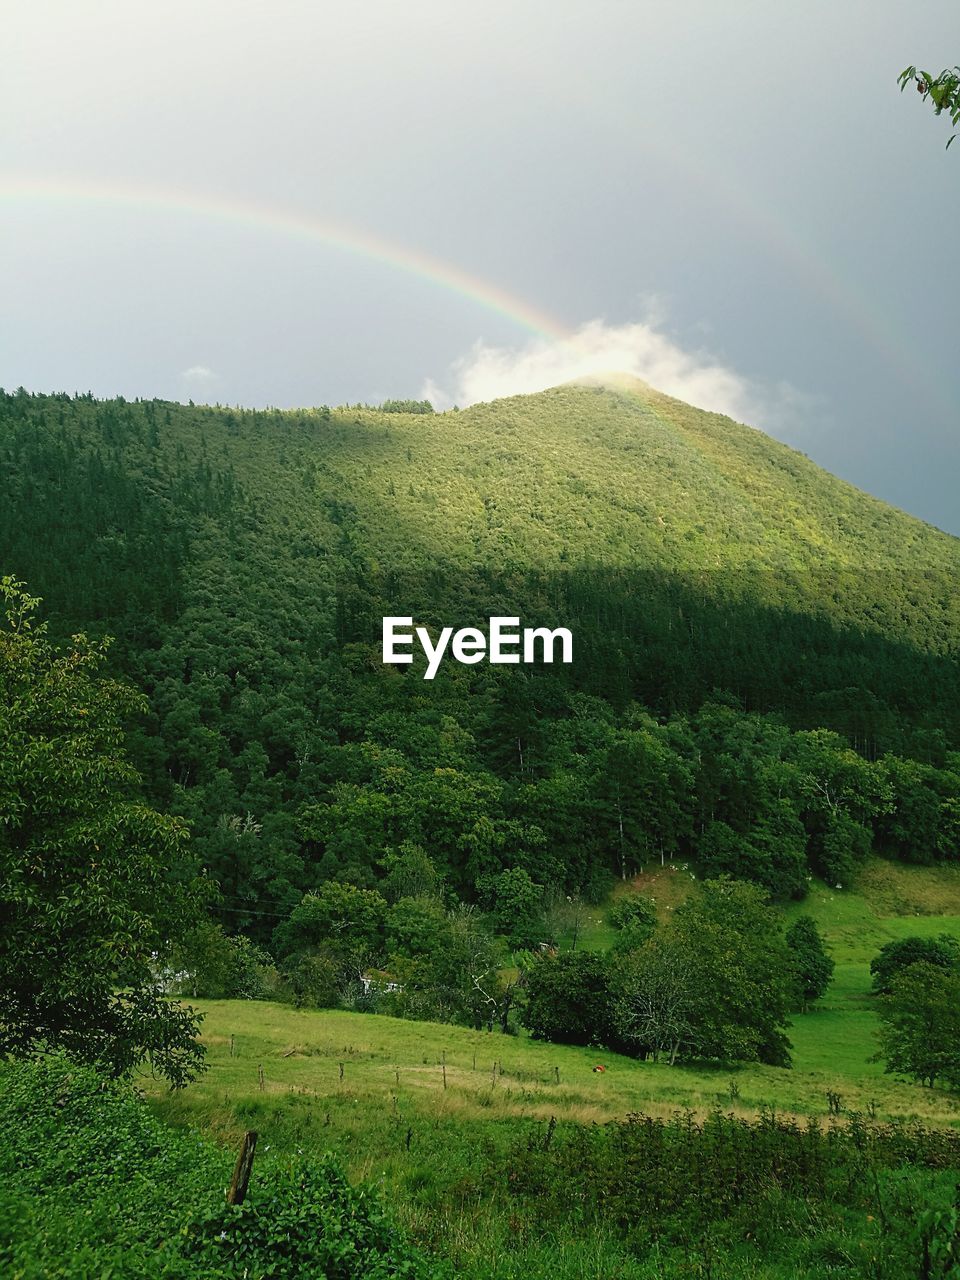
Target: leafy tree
[[640, 788], [810, 966], [93, 883], [406, 406], [564, 913], [354, 828], [317, 979], [207, 962], [409, 873], [942, 90], [920, 1024], [340, 922], [895, 957], [568, 998], [739, 967], [415, 927], [841, 793], [456, 979], [469, 969], [515, 903], [653, 1008]]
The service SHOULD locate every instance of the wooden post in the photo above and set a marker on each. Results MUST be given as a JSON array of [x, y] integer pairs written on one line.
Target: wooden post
[[443, 1063], [244, 1166], [549, 1136], [260, 1075], [341, 1070], [409, 1136], [474, 1062], [493, 1075], [556, 1075], [231, 1046]]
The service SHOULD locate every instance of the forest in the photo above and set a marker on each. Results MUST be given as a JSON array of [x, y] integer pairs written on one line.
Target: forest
[[787, 710]]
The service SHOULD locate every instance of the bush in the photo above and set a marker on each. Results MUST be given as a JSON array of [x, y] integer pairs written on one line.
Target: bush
[[92, 1184], [311, 1222]]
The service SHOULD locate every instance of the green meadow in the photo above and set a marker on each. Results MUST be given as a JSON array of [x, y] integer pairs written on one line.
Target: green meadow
[[420, 1109]]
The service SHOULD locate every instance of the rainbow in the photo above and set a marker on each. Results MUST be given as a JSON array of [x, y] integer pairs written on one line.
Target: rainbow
[[272, 220], [892, 343]]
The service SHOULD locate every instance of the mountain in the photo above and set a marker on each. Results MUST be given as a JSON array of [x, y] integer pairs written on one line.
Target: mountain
[[741, 621]]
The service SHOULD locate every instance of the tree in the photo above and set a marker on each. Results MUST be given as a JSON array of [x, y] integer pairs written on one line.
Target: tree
[[415, 927], [739, 969], [943, 91], [409, 873], [568, 998], [207, 962], [920, 1024], [515, 903], [94, 887], [653, 1010], [895, 957], [810, 967], [711, 984], [340, 921], [455, 975]]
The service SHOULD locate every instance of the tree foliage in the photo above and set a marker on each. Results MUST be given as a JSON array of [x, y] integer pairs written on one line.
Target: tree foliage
[[568, 998], [635, 918], [768, 721], [94, 884], [942, 90], [920, 1024], [897, 956], [739, 972], [810, 966]]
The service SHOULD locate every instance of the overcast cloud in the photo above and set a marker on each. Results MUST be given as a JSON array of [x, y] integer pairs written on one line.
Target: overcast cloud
[[750, 165]]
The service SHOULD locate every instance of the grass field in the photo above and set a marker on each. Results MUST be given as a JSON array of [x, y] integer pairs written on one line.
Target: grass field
[[392, 1070], [418, 1108]]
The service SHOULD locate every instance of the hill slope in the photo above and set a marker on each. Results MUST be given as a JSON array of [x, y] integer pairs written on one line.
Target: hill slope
[[726, 596]]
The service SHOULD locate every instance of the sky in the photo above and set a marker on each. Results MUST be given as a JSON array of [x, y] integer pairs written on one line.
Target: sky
[[298, 202]]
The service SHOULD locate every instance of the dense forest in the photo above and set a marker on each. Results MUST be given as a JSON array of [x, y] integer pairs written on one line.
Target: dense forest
[[764, 685]]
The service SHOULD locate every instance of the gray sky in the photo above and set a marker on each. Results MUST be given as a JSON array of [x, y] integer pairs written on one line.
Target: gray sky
[[234, 202]]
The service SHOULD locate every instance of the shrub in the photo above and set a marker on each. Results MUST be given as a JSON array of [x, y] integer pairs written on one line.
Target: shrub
[[92, 1184]]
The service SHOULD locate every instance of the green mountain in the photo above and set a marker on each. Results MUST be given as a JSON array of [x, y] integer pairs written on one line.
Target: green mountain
[[764, 675]]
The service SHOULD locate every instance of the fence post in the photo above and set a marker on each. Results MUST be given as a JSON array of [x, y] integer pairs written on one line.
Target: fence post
[[243, 1168]]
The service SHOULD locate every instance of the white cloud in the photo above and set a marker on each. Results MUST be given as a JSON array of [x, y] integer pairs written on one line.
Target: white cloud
[[198, 373], [597, 350]]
